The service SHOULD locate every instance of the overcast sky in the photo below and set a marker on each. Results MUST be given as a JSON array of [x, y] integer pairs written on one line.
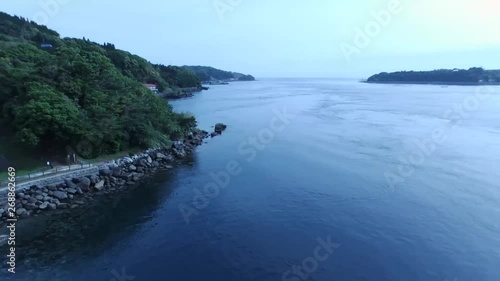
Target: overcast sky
[[285, 38]]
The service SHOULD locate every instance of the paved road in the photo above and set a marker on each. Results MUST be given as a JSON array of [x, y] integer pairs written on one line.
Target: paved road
[[24, 181]]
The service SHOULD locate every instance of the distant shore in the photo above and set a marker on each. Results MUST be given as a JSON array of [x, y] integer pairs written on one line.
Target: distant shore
[[432, 83]]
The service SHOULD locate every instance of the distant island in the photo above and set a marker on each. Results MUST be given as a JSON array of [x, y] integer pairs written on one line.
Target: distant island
[[471, 76], [211, 75]]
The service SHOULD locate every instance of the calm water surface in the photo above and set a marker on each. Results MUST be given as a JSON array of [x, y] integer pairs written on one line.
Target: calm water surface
[[319, 171]]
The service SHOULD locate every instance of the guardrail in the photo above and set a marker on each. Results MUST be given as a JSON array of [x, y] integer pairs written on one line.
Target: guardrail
[[54, 171]]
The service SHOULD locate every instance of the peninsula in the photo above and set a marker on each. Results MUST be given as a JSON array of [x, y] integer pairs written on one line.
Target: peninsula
[[471, 76]]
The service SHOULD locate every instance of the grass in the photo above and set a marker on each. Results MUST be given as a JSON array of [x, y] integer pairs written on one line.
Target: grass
[[19, 173], [25, 162]]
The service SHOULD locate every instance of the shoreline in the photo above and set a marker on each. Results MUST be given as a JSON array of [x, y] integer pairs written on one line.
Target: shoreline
[[109, 178]]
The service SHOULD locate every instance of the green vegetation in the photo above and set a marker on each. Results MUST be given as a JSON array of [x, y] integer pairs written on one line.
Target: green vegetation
[[207, 73], [475, 75], [80, 92]]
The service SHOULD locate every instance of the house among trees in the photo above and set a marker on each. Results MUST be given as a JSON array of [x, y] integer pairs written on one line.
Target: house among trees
[[46, 45], [152, 87]]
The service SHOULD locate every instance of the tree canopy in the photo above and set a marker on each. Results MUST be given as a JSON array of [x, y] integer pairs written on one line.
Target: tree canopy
[[207, 73], [474, 75], [79, 90]]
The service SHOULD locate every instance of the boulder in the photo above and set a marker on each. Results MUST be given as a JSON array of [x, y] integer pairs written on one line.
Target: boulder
[[100, 185], [60, 195], [105, 172], [69, 183], [117, 171], [72, 191], [219, 128], [21, 211], [83, 184], [132, 168], [43, 206]]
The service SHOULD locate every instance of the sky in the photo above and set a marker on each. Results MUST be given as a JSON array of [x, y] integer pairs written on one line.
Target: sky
[[285, 38]]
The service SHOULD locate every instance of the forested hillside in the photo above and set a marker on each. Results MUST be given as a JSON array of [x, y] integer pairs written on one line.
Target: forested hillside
[[207, 73], [474, 75], [56, 92]]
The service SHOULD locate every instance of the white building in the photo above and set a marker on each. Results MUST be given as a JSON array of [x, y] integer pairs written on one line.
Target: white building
[[152, 88]]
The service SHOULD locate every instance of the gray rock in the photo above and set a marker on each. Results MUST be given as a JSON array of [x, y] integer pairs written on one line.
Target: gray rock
[[32, 200], [132, 168], [149, 160], [21, 211], [117, 171], [219, 127], [72, 191], [84, 183], [100, 185], [43, 206], [105, 172], [69, 183], [2, 211], [70, 196], [39, 197], [160, 155], [52, 206], [31, 207], [60, 195]]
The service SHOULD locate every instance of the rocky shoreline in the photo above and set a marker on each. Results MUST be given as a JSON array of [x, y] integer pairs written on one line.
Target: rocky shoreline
[[113, 177]]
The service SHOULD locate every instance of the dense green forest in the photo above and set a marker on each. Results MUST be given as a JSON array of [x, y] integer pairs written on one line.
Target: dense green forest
[[475, 75], [57, 92], [207, 73]]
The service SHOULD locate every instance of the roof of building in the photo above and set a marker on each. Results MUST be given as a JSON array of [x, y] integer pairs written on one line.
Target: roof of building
[[150, 85]]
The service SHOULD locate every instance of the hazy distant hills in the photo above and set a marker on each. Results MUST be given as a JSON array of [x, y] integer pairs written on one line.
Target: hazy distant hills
[[207, 73]]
